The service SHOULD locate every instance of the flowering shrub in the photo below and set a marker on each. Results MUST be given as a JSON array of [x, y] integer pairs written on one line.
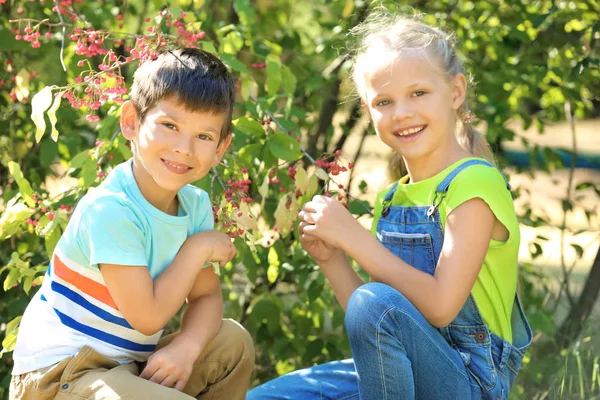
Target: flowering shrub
[[65, 67]]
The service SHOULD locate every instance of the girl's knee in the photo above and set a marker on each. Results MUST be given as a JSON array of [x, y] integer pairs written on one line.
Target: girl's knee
[[369, 303]]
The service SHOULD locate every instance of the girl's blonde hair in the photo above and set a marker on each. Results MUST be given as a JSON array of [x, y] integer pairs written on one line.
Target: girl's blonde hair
[[382, 35]]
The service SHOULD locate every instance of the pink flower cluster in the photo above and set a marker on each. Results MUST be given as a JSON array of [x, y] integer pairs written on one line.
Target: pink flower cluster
[[334, 167]]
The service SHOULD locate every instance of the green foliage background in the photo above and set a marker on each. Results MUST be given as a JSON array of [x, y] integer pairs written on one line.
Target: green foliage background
[[529, 58]]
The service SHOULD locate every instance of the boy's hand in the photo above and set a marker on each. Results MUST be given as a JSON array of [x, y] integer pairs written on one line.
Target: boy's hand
[[170, 366], [217, 245]]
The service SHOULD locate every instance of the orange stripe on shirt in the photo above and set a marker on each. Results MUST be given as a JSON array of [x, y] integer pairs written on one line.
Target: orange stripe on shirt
[[84, 284]]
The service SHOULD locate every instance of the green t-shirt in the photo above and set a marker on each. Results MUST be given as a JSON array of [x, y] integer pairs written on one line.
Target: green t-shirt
[[495, 287]]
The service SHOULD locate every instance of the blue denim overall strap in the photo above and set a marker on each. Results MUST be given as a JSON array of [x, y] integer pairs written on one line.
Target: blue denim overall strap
[[415, 234]]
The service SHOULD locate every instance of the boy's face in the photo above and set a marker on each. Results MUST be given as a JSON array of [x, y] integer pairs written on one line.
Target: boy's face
[[173, 145]]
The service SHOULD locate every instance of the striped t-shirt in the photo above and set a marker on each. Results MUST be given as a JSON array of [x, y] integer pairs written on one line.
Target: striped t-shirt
[[112, 224]]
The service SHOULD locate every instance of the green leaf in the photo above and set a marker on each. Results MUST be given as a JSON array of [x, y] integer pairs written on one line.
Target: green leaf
[[48, 152], [233, 63], [27, 284], [249, 152], [232, 43], [274, 75], [51, 240], [245, 87], [89, 172], [9, 343], [39, 104], [284, 147], [245, 12], [52, 115], [249, 127], [12, 277], [359, 207], [289, 80], [348, 7], [14, 214], [24, 186], [13, 325], [209, 47], [79, 159]]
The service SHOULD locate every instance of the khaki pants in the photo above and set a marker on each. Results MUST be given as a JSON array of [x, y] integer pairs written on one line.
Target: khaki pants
[[221, 372]]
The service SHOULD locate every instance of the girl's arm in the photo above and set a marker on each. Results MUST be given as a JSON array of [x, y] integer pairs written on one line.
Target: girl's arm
[[439, 298], [342, 278]]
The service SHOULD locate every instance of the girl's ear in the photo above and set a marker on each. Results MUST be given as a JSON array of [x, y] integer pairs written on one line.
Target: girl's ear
[[459, 91], [128, 120], [365, 107]]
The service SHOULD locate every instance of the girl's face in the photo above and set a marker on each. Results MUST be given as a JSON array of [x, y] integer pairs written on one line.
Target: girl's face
[[413, 107]]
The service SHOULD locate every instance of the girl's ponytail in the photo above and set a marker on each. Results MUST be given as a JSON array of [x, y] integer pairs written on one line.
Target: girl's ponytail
[[471, 139], [396, 167]]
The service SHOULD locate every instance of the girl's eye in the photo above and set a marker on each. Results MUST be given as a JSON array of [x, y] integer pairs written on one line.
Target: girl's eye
[[383, 103], [170, 126], [418, 93], [204, 136]]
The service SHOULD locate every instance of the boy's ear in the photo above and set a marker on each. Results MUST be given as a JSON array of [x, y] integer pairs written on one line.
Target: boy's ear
[[128, 120], [221, 148], [459, 91]]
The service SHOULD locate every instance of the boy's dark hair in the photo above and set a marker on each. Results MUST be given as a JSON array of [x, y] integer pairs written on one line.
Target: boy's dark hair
[[196, 78]]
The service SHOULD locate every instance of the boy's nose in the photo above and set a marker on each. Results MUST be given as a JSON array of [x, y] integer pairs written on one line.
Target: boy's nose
[[183, 146]]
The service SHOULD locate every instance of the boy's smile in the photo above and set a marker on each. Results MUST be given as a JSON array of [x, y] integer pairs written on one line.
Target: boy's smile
[[173, 147]]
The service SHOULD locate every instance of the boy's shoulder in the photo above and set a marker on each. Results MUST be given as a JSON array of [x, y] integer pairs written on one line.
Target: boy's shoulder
[[194, 198]]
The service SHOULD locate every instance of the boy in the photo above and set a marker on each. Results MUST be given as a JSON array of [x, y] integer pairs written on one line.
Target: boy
[[133, 252]]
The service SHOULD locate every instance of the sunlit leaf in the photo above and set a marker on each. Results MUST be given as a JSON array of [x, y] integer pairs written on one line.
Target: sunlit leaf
[[22, 85], [348, 7], [39, 104], [52, 115]]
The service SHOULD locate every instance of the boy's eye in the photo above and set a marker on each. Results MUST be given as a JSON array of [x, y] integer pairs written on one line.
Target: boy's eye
[[204, 136], [383, 103], [169, 126], [418, 93]]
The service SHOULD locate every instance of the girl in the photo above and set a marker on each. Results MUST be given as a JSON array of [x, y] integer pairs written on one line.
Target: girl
[[440, 318]]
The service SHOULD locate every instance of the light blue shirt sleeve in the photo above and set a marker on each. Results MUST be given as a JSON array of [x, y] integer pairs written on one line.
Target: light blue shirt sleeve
[[110, 233]]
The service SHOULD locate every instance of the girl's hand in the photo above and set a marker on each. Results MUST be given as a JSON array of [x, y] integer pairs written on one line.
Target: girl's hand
[[328, 220], [320, 251]]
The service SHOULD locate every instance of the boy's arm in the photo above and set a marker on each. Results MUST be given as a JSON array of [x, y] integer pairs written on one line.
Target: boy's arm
[[172, 365], [148, 305], [203, 315]]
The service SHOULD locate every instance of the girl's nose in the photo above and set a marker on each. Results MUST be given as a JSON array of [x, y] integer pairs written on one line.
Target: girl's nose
[[403, 111]]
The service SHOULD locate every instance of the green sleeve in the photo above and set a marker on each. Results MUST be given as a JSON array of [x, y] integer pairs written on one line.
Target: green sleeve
[[488, 184]]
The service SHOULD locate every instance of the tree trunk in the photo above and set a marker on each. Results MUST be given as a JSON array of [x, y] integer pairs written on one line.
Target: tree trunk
[[574, 323]]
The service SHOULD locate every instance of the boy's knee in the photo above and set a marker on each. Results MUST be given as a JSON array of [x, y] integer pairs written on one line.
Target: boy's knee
[[235, 338]]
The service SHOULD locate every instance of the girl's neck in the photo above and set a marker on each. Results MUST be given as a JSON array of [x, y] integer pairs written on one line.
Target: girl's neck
[[434, 163]]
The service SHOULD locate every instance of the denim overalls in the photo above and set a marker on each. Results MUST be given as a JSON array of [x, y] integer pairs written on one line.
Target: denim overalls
[[415, 234]]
